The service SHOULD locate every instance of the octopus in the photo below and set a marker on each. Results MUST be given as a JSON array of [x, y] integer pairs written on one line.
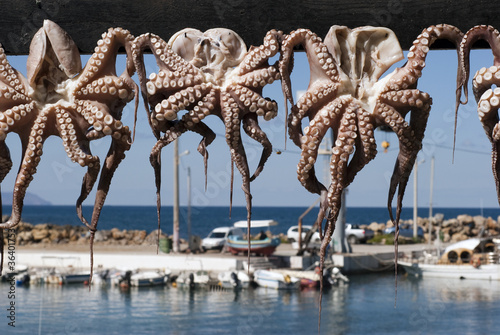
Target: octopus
[[77, 104], [347, 94], [209, 73], [487, 96]]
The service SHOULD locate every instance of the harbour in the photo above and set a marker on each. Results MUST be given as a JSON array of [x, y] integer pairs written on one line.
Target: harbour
[[367, 303]]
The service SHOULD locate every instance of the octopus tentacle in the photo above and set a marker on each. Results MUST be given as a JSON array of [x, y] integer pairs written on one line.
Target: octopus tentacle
[[344, 146], [155, 159], [322, 67], [205, 107], [259, 78], [258, 56], [307, 106], [486, 97], [488, 116], [314, 133], [175, 74], [253, 102], [187, 98], [102, 61], [13, 85], [324, 80], [232, 119], [252, 129], [484, 79], [482, 32], [115, 155], [32, 151], [78, 149], [5, 166], [408, 75], [366, 148]]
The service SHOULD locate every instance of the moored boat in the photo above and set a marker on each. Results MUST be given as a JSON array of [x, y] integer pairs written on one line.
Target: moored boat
[[276, 280], [264, 247], [233, 279], [193, 280], [75, 278], [149, 278], [470, 259]]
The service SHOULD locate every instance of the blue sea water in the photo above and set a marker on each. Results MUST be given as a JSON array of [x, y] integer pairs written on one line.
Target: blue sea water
[[204, 219], [365, 306]]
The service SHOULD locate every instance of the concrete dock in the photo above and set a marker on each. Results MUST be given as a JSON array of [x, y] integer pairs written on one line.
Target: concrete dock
[[363, 259]]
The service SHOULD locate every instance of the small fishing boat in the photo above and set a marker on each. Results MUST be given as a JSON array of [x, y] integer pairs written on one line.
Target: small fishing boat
[[149, 278], [127, 278], [276, 280], [263, 246], [193, 280], [312, 279], [475, 258], [233, 279], [75, 277]]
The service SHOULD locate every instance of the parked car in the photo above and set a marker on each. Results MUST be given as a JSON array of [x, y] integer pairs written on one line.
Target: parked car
[[355, 234], [293, 234], [405, 230], [218, 237]]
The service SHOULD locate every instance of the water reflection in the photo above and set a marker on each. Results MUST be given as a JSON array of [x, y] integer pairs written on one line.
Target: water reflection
[[366, 304]]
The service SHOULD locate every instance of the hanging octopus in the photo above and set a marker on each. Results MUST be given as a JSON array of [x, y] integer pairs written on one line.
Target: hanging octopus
[[347, 94], [487, 97], [210, 73], [78, 105]]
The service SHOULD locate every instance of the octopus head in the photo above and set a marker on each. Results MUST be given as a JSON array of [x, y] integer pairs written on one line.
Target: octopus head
[[216, 51], [363, 54], [53, 58]]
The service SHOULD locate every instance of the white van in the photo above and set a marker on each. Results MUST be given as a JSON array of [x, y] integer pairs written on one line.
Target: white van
[[218, 237]]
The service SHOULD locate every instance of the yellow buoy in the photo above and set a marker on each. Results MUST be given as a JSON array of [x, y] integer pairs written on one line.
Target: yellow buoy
[[385, 145]]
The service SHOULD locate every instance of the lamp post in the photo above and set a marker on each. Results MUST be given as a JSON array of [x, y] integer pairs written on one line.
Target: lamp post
[[415, 197], [175, 235]]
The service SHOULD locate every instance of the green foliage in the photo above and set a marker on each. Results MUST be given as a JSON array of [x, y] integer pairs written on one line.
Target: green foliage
[[388, 239]]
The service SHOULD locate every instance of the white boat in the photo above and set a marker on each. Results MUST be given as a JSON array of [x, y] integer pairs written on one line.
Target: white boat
[[470, 259], [233, 279], [75, 278], [193, 280], [276, 280], [149, 278]]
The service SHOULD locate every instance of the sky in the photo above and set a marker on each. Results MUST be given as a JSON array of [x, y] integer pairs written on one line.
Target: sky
[[466, 181]]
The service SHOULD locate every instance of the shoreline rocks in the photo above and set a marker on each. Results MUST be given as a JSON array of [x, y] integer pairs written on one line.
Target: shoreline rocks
[[451, 230]]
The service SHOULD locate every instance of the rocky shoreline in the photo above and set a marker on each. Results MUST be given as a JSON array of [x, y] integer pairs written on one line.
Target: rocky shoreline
[[450, 231]]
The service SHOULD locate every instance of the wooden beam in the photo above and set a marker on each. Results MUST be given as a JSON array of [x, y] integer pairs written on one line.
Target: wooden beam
[[86, 20]]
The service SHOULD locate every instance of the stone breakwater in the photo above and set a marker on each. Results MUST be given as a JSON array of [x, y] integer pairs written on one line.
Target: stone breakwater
[[47, 233], [450, 230]]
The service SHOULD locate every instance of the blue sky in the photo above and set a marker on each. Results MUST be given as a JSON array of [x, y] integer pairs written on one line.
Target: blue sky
[[467, 182]]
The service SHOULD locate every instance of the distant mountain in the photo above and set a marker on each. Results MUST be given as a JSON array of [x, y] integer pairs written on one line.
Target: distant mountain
[[30, 200]]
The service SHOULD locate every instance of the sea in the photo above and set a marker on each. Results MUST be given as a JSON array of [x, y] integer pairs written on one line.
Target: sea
[[201, 220], [368, 304]]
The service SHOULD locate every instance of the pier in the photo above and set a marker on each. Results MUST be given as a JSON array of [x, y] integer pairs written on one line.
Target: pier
[[363, 259]]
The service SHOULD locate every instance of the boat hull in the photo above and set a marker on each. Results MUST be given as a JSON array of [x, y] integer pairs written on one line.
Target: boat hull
[[234, 280], [275, 280], [465, 271], [143, 279], [259, 247], [75, 278]]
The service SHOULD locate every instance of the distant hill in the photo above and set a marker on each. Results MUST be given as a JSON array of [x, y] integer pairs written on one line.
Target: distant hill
[[30, 199]]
